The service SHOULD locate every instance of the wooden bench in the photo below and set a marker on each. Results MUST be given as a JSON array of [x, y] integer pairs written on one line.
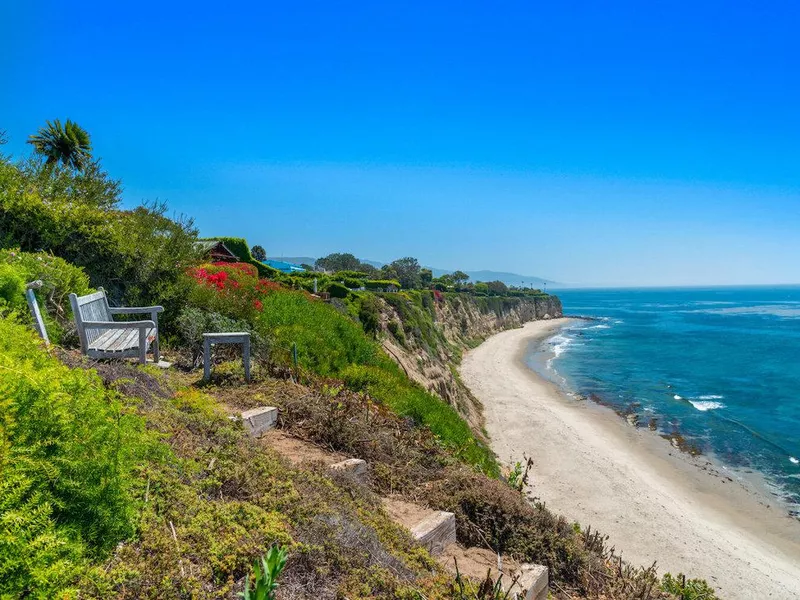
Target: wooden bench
[[103, 337]]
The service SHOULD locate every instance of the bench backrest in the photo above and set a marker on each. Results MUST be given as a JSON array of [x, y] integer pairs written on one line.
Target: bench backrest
[[93, 307]]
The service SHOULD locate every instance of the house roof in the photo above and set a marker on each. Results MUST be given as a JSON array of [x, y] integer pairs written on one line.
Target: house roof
[[206, 246]]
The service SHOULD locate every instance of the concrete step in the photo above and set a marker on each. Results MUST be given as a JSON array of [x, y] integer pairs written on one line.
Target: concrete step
[[533, 579], [258, 421], [355, 466], [522, 581], [436, 531]]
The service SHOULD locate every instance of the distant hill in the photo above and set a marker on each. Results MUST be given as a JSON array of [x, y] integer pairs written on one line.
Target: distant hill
[[485, 275]]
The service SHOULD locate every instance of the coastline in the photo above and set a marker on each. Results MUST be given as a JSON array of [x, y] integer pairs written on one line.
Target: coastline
[[654, 502]]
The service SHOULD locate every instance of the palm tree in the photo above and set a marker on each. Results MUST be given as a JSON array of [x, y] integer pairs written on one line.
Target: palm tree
[[69, 144]]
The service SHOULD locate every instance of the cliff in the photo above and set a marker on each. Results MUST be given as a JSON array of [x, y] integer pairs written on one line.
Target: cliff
[[426, 335]]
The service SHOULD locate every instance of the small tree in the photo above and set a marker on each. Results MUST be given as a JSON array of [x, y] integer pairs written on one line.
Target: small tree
[[497, 287], [259, 253], [426, 277], [339, 262], [459, 277], [408, 272], [68, 144]]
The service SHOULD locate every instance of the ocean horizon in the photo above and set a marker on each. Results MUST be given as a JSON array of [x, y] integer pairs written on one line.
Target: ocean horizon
[[716, 366]]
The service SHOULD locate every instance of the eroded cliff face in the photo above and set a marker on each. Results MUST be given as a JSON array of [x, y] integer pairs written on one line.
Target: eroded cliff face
[[426, 335]]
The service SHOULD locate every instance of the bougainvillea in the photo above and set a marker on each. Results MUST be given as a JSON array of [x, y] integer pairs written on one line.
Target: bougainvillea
[[232, 289]]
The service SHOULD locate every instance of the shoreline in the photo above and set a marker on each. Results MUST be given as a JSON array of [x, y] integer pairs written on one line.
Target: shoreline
[[654, 502]]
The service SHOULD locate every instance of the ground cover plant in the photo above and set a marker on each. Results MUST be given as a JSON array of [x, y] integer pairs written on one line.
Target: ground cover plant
[[69, 450]]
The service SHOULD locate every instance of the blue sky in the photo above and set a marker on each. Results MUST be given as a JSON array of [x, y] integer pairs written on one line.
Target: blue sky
[[616, 143]]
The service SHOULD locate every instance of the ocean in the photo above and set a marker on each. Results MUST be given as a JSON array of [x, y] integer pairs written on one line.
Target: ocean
[[719, 367]]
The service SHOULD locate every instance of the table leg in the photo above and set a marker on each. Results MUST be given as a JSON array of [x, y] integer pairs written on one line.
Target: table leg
[[206, 360], [246, 358]]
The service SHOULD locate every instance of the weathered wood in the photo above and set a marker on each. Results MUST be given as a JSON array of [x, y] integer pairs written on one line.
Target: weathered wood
[[102, 337], [232, 337], [33, 305]]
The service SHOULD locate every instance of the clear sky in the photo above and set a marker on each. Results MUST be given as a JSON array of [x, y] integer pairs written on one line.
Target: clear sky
[[586, 142]]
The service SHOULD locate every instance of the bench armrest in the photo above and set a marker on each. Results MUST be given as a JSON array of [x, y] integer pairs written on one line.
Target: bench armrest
[[118, 324], [135, 310]]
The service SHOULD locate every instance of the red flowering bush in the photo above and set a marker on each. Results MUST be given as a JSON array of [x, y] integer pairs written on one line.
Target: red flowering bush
[[231, 289]]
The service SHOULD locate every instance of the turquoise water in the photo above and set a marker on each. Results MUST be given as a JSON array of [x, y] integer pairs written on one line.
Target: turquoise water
[[721, 366]]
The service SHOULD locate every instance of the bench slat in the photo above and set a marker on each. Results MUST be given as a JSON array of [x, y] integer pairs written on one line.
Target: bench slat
[[108, 338], [119, 340]]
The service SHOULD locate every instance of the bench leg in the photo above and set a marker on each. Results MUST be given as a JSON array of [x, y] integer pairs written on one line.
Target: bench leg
[[156, 353], [143, 346], [206, 360], [246, 359]]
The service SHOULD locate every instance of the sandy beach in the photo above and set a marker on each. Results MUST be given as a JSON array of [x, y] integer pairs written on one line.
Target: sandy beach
[[655, 503]]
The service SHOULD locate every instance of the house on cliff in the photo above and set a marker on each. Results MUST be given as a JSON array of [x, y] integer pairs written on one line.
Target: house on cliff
[[215, 251]]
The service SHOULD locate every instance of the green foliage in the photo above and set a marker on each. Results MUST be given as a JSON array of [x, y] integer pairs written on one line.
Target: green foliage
[[459, 277], [327, 341], [687, 589], [397, 331], [369, 315], [12, 288], [407, 272], [68, 144], [351, 283], [138, 256], [337, 290], [487, 589], [68, 449], [518, 477], [497, 287], [58, 278], [258, 253], [381, 284], [339, 262], [267, 571]]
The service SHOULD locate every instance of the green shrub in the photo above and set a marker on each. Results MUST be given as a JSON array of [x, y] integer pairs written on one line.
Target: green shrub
[[351, 283], [59, 278], [369, 315], [68, 449], [397, 332], [337, 290], [12, 288], [139, 256], [381, 284], [687, 589]]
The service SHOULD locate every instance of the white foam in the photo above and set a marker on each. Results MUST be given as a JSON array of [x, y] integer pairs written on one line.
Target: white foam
[[705, 405], [678, 397], [710, 397], [559, 343], [794, 461], [599, 327]]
